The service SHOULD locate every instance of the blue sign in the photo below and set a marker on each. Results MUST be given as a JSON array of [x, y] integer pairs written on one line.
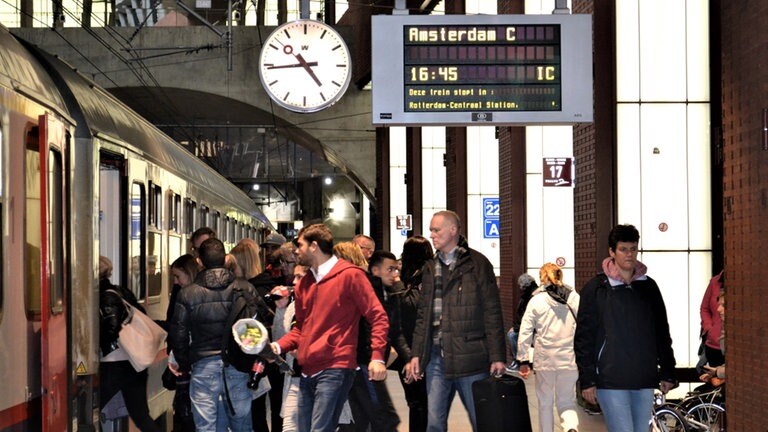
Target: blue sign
[[491, 216], [491, 229]]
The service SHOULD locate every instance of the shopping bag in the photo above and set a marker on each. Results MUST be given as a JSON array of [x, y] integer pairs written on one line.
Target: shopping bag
[[140, 337]]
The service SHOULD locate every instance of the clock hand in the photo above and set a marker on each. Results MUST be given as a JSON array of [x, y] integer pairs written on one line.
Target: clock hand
[[291, 65], [309, 70]]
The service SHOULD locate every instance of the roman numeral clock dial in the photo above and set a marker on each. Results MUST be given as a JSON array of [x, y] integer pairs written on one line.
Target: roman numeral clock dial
[[305, 66]]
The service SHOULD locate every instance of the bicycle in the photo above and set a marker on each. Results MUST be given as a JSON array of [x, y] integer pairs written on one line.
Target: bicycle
[[666, 416], [706, 410], [697, 412]]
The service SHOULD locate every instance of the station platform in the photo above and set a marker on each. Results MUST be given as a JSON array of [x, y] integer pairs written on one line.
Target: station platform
[[458, 421]]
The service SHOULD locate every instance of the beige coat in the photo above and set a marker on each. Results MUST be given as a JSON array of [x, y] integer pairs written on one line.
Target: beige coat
[[554, 327]]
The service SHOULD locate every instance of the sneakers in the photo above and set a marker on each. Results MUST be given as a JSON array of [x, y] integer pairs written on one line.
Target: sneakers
[[592, 410], [513, 367]]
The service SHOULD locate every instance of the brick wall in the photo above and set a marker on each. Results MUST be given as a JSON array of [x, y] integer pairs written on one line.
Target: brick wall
[[744, 47]]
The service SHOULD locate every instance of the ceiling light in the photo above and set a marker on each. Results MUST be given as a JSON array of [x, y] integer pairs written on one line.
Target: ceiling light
[[328, 180]]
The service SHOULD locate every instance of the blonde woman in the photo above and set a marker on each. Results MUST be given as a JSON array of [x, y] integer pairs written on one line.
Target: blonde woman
[[246, 252], [550, 323], [352, 253]]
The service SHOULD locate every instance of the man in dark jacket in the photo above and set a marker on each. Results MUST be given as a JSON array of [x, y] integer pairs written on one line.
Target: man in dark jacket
[[370, 401], [622, 343], [459, 335], [198, 325]]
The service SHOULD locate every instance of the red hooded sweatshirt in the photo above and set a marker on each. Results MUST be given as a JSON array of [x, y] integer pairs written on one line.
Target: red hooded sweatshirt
[[328, 320]]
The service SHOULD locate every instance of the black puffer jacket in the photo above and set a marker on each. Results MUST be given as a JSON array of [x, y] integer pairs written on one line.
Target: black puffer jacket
[[199, 319], [112, 313], [472, 325], [622, 336]]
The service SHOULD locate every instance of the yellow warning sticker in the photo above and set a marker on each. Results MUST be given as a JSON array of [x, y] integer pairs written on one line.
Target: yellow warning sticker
[[81, 369]]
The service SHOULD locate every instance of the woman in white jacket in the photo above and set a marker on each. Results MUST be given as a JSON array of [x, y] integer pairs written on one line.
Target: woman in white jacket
[[550, 323]]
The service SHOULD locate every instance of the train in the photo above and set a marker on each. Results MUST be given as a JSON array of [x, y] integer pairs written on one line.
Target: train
[[84, 176]]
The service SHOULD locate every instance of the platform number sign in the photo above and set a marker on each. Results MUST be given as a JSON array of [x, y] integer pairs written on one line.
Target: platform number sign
[[557, 171], [491, 215]]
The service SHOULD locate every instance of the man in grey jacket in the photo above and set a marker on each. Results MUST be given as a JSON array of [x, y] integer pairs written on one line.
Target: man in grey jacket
[[459, 335]]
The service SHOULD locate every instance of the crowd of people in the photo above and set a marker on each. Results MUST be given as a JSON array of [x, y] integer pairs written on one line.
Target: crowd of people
[[342, 314]]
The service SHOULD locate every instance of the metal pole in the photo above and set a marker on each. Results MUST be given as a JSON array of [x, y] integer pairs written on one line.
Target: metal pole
[[229, 35], [400, 8]]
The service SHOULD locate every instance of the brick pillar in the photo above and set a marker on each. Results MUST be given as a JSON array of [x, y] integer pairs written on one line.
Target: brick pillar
[[744, 48]]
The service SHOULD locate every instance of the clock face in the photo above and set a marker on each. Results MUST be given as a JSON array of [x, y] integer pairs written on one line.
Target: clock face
[[305, 66]]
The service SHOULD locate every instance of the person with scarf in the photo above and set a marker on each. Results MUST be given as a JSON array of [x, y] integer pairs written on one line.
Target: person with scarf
[[459, 335], [622, 342]]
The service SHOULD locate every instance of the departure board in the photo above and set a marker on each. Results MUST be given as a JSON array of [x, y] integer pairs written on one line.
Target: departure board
[[502, 69]]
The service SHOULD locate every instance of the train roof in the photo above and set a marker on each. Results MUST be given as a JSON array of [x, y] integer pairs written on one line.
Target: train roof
[[99, 113], [20, 71]]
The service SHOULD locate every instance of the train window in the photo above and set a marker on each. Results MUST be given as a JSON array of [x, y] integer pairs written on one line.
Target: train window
[[216, 222], [155, 206], [138, 212], [203, 221], [154, 266], [232, 225], [32, 236], [174, 210], [190, 211], [55, 232]]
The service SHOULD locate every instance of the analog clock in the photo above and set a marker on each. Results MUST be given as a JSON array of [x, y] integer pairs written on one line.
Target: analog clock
[[305, 66]]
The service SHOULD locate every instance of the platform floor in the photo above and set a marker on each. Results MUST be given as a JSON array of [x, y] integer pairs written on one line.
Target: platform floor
[[458, 421]]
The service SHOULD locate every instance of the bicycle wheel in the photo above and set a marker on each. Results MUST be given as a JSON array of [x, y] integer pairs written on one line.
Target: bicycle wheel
[[668, 419], [707, 416]]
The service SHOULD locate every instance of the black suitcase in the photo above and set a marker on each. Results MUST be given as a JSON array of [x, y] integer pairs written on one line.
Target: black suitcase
[[501, 405]]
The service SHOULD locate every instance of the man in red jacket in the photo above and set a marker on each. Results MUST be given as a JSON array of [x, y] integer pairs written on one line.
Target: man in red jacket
[[330, 299]]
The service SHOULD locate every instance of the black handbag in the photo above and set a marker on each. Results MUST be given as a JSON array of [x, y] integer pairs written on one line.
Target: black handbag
[[169, 379]]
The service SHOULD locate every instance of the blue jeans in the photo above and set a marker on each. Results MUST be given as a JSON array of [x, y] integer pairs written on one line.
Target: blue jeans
[[321, 398], [440, 393], [209, 400], [626, 410]]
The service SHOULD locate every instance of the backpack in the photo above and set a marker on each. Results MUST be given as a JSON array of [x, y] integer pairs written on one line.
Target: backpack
[[244, 305]]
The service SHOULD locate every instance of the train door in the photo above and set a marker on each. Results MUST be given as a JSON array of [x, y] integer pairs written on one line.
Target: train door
[[52, 144]]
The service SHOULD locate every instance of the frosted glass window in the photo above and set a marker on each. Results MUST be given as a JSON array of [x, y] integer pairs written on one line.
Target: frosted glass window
[[476, 7], [397, 146], [628, 163], [482, 161], [627, 51], [662, 50], [397, 206], [534, 219], [433, 172], [534, 139], [397, 188], [697, 52], [699, 190], [557, 220], [663, 176], [682, 292]]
